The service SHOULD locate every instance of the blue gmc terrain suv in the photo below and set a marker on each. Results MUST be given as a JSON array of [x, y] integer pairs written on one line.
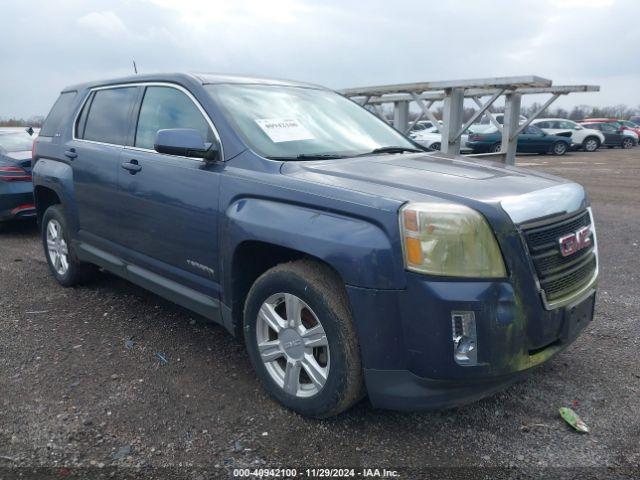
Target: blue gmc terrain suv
[[352, 262]]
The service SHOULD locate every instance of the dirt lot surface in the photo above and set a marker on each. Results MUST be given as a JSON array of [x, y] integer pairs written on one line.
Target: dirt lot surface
[[82, 387]]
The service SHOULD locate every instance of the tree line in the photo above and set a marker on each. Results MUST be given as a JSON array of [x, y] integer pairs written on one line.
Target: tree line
[[34, 121]]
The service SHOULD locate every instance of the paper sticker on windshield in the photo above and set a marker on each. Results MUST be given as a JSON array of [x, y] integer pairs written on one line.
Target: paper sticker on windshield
[[284, 129]]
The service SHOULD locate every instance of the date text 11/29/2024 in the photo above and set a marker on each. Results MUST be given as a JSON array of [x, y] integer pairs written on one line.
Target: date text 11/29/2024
[[315, 473]]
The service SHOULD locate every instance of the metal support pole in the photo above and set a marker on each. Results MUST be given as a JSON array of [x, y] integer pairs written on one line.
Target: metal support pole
[[537, 114], [401, 115], [510, 127], [426, 109], [452, 116]]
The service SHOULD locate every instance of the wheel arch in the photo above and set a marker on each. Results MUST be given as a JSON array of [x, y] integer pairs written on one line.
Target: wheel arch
[[249, 261], [53, 182], [44, 197]]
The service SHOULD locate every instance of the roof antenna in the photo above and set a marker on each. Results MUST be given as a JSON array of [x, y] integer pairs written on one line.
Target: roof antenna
[[135, 67]]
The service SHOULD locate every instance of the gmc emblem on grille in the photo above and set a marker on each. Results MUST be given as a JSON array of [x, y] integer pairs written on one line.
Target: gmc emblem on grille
[[570, 244]]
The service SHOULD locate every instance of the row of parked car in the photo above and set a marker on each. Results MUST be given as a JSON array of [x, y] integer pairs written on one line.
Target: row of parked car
[[544, 135]]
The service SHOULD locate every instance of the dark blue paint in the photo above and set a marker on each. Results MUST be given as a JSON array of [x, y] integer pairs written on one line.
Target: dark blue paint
[[176, 215], [527, 142]]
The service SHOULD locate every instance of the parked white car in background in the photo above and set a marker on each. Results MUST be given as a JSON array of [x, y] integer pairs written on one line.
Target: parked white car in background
[[431, 138], [420, 126], [583, 138], [485, 123]]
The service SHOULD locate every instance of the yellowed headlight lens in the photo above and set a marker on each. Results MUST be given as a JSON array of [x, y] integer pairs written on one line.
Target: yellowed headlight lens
[[449, 240]]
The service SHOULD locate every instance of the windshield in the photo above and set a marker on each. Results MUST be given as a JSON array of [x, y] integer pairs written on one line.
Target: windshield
[[285, 122], [15, 142]]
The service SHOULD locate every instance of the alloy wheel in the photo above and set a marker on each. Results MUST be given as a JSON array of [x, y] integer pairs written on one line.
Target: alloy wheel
[[591, 145], [293, 345], [57, 247], [559, 148]]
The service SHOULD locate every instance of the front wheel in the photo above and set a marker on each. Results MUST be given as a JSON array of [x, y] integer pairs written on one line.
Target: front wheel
[[559, 148], [590, 144], [64, 265], [627, 143], [301, 339], [435, 146], [496, 148]]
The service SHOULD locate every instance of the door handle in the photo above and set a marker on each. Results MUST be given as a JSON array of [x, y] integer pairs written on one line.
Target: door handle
[[71, 153], [132, 166]]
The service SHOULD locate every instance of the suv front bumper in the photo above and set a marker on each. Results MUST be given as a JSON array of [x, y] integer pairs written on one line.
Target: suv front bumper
[[407, 345]]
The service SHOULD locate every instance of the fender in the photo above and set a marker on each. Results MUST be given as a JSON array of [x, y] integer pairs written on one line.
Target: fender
[[58, 176], [358, 250]]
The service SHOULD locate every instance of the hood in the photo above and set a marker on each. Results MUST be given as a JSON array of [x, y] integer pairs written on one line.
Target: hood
[[412, 177]]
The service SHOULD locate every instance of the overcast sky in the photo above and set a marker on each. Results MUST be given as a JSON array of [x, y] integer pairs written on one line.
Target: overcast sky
[[45, 45]]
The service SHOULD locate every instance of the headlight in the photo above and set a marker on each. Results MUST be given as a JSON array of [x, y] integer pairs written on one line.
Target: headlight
[[449, 240]]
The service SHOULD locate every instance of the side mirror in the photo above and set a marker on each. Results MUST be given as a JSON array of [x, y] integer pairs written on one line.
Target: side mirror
[[30, 131], [578, 127], [185, 142]]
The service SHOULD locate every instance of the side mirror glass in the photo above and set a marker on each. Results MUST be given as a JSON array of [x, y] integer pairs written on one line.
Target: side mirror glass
[[185, 142]]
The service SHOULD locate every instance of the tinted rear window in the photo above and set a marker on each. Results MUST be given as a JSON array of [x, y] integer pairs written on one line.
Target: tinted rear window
[[108, 118], [58, 113]]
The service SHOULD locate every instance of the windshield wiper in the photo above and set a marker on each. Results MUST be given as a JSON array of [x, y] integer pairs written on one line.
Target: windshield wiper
[[311, 156], [390, 149]]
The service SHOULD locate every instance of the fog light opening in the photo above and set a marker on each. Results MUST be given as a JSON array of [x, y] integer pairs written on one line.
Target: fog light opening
[[465, 342]]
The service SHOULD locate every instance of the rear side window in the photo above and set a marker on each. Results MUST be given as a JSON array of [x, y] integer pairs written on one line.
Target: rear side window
[[166, 107], [58, 113], [108, 115]]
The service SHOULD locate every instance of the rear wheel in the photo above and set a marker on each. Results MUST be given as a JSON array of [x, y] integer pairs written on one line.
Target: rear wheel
[[435, 146], [627, 143], [301, 339], [63, 263], [590, 144], [559, 148]]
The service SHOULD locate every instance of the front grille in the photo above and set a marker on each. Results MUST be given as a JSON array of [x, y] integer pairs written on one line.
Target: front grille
[[560, 276]]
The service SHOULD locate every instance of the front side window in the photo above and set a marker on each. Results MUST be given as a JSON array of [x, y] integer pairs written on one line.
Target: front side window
[[568, 125], [285, 122], [108, 116], [167, 107]]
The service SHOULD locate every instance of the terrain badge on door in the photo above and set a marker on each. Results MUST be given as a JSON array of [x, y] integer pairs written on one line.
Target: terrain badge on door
[[209, 271]]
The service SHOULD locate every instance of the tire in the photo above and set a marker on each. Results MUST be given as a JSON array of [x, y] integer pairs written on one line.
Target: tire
[[590, 144], [65, 267], [627, 143], [318, 296], [559, 148], [435, 146], [495, 148]]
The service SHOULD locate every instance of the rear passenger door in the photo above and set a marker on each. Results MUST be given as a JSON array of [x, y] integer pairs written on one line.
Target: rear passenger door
[[100, 133], [170, 205]]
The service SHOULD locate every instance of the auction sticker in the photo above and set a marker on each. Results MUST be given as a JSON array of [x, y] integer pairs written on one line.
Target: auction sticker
[[284, 129]]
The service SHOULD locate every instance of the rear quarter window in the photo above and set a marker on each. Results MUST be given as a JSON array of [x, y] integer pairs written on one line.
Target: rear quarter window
[[60, 111]]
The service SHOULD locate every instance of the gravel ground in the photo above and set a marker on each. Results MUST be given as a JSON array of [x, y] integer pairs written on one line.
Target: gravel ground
[[82, 390]]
